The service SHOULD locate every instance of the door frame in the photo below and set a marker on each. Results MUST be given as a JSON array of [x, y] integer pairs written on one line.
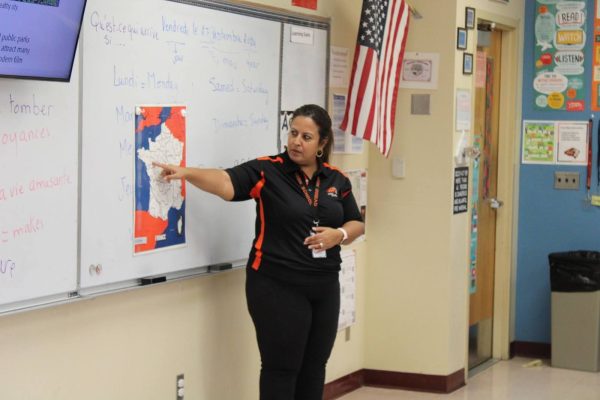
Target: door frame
[[509, 130]]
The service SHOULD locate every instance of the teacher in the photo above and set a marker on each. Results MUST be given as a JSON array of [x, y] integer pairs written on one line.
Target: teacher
[[304, 211]]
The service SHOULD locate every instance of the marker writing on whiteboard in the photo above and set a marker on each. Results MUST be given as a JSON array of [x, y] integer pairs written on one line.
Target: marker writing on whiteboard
[[21, 231], [7, 267], [23, 136], [126, 189]]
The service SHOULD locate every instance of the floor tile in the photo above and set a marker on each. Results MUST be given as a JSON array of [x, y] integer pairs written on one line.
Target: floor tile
[[505, 380]]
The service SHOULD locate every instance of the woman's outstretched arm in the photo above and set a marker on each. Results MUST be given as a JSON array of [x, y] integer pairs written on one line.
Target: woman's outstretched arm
[[215, 181]]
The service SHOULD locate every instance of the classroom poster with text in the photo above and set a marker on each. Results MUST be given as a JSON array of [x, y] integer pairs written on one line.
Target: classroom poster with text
[[159, 215], [560, 38], [596, 60]]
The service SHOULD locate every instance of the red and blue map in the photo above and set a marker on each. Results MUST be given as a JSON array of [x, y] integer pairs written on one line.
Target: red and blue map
[[159, 218]]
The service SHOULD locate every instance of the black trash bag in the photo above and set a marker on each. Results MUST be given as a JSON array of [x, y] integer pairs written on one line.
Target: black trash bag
[[575, 271]]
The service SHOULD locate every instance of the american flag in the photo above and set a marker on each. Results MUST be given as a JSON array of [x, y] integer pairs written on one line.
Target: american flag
[[371, 105]]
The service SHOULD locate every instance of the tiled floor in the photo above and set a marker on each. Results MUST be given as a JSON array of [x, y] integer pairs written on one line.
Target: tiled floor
[[505, 380]]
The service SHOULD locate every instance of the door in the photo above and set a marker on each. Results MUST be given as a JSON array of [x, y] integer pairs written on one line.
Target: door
[[487, 95]]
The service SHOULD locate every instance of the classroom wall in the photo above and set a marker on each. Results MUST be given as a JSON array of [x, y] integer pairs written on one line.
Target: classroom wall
[[133, 344], [412, 302], [550, 220], [417, 297]]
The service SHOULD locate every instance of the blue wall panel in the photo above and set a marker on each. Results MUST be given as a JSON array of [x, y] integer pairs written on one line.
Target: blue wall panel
[[549, 220]]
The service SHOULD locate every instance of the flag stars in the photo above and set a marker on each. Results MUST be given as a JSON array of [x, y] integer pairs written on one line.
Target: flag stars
[[380, 33], [372, 26]]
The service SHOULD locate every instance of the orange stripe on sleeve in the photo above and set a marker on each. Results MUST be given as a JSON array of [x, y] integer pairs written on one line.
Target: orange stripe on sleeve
[[255, 193], [334, 169]]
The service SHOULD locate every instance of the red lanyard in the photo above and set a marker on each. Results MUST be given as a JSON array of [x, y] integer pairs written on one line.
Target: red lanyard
[[310, 201], [314, 202]]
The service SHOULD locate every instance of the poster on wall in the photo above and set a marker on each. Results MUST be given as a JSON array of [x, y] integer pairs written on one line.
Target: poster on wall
[[420, 71], [343, 142], [596, 60], [555, 142], [560, 37], [539, 142], [461, 190], [347, 277], [463, 110], [477, 140], [358, 180], [159, 209], [572, 139]]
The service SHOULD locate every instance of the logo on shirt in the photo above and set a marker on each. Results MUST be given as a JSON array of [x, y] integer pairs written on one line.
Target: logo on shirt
[[332, 191]]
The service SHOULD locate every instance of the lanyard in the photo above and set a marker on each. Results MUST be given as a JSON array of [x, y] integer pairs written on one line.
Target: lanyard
[[314, 202]]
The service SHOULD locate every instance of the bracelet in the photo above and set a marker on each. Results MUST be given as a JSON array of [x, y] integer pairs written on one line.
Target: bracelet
[[345, 235]]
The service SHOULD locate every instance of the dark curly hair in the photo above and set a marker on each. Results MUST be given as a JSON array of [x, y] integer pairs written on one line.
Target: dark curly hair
[[321, 117]]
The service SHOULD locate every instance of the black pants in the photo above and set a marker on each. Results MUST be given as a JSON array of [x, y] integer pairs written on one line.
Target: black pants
[[296, 327]]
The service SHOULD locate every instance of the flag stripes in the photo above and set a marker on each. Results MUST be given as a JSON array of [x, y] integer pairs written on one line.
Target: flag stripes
[[371, 104]]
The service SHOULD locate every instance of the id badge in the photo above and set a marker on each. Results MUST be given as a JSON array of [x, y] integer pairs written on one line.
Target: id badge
[[318, 253]]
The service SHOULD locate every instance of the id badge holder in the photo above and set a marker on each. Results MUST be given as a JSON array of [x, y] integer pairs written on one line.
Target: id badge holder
[[318, 253]]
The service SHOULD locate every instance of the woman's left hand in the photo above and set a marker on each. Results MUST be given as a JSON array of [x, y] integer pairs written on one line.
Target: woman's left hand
[[324, 238]]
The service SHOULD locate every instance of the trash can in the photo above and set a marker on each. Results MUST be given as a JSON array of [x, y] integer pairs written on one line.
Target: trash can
[[575, 284]]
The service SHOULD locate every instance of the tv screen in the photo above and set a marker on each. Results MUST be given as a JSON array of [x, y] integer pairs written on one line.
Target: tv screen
[[38, 38]]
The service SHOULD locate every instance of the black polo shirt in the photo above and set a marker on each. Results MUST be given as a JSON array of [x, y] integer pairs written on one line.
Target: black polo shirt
[[284, 217]]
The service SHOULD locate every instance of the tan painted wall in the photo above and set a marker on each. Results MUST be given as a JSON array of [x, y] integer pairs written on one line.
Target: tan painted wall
[[133, 344], [411, 283], [417, 299]]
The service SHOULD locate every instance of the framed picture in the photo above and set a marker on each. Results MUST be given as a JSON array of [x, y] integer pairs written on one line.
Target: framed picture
[[420, 70], [470, 18], [467, 63], [461, 38]]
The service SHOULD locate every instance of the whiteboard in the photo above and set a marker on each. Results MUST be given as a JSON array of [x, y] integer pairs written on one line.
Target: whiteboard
[[38, 188], [304, 62], [225, 69], [73, 235]]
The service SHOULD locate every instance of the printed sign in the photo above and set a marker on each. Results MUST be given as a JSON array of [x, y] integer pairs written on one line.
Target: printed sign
[[555, 142], [572, 141], [560, 37], [461, 190], [596, 60], [539, 142]]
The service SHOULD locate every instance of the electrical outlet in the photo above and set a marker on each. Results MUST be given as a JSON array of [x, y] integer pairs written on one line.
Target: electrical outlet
[[180, 387], [566, 180]]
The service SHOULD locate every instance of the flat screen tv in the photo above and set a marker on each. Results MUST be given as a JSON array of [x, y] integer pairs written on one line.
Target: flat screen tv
[[38, 38]]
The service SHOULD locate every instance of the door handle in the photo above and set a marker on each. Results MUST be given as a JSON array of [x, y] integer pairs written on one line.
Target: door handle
[[494, 203]]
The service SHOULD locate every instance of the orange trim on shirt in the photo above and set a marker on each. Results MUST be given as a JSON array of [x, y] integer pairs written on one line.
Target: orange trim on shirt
[[334, 169], [274, 160], [255, 194]]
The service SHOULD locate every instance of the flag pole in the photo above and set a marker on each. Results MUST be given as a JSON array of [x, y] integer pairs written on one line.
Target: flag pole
[[415, 13]]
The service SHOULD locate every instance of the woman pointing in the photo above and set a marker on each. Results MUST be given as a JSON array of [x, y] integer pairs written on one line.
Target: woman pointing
[[305, 211]]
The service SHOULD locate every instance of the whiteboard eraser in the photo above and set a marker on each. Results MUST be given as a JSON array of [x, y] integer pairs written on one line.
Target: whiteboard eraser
[[219, 267], [150, 281]]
